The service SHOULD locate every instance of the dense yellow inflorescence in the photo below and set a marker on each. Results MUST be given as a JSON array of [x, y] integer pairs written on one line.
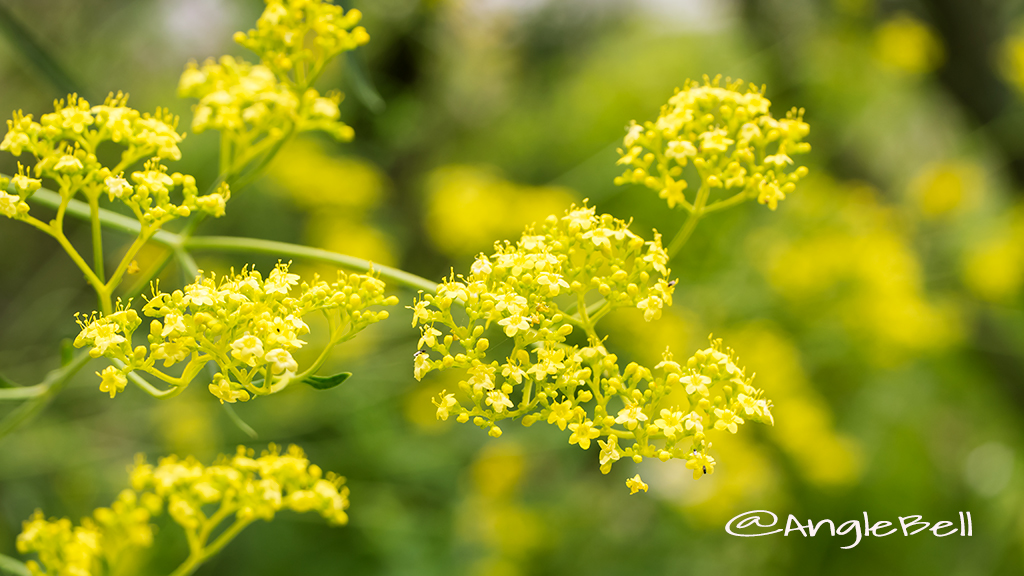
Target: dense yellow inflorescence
[[727, 134], [239, 489], [64, 145], [561, 278], [249, 326], [256, 106]]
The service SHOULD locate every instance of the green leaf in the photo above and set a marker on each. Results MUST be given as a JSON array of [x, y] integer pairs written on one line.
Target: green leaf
[[67, 351], [327, 382], [9, 565], [5, 383]]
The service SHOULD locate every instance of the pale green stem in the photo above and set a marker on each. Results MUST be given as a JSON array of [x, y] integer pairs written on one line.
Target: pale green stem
[[122, 267], [691, 222], [97, 236], [22, 392], [13, 566], [285, 250], [727, 203], [247, 245], [197, 557], [146, 386], [53, 383]]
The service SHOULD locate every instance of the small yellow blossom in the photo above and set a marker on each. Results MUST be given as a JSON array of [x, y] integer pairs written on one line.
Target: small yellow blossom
[[112, 380], [583, 433], [635, 484]]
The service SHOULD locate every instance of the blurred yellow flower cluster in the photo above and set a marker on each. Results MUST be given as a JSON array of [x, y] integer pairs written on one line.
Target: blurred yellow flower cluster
[[729, 137], [242, 489], [296, 38], [806, 432], [493, 516], [908, 45], [861, 268], [467, 207], [106, 539], [993, 268], [249, 326], [339, 195]]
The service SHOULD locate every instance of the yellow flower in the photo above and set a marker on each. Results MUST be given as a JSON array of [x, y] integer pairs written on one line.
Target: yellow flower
[[635, 484], [701, 464], [583, 433], [112, 380], [446, 402]]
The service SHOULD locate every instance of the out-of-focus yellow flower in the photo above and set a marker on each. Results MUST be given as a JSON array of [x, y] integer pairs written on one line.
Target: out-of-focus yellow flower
[[943, 187], [1011, 60], [804, 429], [468, 207], [243, 488], [994, 269], [635, 484], [493, 516], [338, 193], [908, 45], [846, 252]]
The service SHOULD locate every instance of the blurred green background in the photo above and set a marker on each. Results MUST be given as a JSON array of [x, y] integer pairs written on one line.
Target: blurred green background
[[882, 305]]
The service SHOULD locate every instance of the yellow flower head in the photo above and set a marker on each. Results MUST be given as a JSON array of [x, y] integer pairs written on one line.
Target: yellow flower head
[[249, 326], [716, 136]]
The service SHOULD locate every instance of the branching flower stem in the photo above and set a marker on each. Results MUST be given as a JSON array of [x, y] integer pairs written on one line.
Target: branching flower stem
[[115, 221]]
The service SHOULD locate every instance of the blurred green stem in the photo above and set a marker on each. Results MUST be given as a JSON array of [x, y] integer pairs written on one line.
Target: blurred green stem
[[55, 381], [202, 553], [12, 566], [696, 213]]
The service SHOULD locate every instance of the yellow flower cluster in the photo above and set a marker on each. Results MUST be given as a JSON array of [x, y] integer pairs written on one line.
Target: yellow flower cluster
[[729, 137], [64, 144], [242, 489], [76, 122], [101, 540], [536, 293], [281, 37], [249, 326], [248, 102], [257, 105]]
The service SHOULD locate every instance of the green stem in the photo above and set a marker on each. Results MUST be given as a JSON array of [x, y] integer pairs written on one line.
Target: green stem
[[97, 236], [171, 240], [122, 267], [284, 249], [147, 387], [727, 203], [691, 222], [22, 392], [13, 566], [55, 381], [196, 558]]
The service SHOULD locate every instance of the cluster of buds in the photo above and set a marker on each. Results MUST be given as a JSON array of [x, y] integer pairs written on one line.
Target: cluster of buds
[[729, 137], [242, 488], [247, 325]]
